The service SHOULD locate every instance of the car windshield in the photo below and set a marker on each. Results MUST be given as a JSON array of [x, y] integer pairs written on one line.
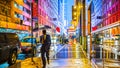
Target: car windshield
[[29, 40]]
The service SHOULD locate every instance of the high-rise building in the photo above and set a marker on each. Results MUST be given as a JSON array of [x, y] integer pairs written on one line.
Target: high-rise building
[[64, 14], [15, 16], [47, 13]]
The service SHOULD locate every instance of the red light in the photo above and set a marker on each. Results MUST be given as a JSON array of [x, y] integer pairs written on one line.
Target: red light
[[57, 29]]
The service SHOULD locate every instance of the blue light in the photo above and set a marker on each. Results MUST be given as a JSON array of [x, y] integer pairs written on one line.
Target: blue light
[[4, 65]]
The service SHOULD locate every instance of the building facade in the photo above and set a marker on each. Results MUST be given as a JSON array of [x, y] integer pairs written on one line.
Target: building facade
[[102, 28], [15, 16]]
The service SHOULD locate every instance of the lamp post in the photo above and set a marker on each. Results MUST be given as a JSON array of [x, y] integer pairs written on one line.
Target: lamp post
[[31, 5]]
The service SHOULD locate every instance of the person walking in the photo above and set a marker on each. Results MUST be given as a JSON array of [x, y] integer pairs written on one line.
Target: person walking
[[46, 42]]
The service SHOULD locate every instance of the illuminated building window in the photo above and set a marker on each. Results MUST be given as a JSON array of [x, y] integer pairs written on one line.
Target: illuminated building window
[[18, 6], [15, 4], [26, 19], [26, 10], [18, 15], [21, 7], [26, 2]]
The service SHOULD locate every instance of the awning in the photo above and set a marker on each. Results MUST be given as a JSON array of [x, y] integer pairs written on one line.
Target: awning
[[106, 27], [42, 27]]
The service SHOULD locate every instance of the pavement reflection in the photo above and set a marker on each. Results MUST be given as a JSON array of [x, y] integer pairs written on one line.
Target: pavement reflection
[[70, 56]]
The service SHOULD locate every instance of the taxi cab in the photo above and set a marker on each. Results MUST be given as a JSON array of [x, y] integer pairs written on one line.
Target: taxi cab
[[26, 45]]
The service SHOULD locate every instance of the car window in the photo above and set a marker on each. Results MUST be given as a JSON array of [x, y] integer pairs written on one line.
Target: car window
[[12, 37], [2, 38], [29, 40]]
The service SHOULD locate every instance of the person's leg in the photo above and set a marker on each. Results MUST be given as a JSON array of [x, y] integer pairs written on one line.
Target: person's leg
[[43, 59], [47, 55]]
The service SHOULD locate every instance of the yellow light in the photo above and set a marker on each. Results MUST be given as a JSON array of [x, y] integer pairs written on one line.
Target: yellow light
[[75, 7], [80, 6], [75, 13], [75, 18]]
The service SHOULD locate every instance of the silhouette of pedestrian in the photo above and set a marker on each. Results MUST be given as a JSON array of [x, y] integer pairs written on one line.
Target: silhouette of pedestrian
[[46, 42]]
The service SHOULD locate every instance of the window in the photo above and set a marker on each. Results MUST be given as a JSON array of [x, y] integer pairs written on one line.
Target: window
[[2, 38], [21, 7], [16, 5], [12, 37], [18, 15], [26, 10], [25, 1]]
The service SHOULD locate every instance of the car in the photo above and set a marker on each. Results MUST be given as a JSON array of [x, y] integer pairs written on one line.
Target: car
[[9, 47], [26, 46]]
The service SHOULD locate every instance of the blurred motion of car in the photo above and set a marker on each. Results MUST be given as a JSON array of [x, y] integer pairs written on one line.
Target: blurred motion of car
[[26, 45], [9, 47]]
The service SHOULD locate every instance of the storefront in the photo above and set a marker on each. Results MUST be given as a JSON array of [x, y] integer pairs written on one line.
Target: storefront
[[21, 30], [107, 41]]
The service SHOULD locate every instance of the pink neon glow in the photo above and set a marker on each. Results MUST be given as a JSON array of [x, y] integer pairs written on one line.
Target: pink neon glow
[[27, 23], [26, 14], [111, 16], [26, 6]]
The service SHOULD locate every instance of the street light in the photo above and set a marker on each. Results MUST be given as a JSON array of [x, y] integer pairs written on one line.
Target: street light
[[31, 5], [75, 13]]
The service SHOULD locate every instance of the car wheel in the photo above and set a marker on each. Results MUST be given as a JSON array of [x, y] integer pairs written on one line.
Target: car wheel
[[12, 58]]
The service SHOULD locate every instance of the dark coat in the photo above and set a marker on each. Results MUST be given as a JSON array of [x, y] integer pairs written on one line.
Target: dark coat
[[47, 42]]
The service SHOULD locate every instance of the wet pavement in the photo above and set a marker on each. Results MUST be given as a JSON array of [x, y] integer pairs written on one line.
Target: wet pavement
[[71, 56], [67, 56]]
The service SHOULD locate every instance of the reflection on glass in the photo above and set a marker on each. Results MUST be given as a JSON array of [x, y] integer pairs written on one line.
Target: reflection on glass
[[29, 40]]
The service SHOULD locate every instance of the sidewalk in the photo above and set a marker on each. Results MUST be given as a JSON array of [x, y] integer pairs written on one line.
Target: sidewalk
[[27, 63], [107, 63], [75, 59]]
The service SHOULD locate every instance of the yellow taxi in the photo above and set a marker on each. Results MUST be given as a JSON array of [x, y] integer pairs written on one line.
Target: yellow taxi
[[26, 45]]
